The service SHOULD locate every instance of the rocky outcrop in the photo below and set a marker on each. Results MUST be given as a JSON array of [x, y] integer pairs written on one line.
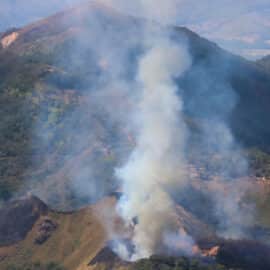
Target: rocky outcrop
[[9, 39], [45, 229], [18, 217]]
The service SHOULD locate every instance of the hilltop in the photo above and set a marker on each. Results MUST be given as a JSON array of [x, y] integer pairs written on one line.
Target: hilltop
[[47, 69]]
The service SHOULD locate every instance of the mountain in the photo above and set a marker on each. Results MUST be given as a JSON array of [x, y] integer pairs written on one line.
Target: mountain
[[42, 89], [47, 69], [264, 63], [62, 136], [75, 240], [44, 239], [70, 239]]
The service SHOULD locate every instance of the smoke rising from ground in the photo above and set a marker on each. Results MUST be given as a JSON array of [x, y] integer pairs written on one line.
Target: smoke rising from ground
[[130, 80], [156, 165]]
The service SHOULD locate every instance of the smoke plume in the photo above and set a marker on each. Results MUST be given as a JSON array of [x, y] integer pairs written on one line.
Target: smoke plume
[[126, 75], [156, 165]]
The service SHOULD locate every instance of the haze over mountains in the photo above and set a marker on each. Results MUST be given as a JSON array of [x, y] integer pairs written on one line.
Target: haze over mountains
[[41, 65], [241, 27], [94, 101]]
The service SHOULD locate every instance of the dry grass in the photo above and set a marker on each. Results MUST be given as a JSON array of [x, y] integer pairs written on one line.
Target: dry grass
[[78, 238]]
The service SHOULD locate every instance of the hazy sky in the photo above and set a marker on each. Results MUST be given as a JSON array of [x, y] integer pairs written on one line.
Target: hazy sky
[[242, 26]]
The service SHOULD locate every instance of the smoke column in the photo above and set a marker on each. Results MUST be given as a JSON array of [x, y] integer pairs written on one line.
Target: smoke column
[[156, 165]]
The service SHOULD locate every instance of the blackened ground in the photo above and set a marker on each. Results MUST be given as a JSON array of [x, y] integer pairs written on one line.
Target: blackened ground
[[244, 254], [108, 259], [18, 217]]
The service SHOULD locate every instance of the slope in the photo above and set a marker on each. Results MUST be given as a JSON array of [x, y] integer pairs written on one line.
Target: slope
[[50, 117]]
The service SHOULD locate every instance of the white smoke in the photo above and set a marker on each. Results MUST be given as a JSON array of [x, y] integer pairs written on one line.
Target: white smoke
[[156, 165]]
